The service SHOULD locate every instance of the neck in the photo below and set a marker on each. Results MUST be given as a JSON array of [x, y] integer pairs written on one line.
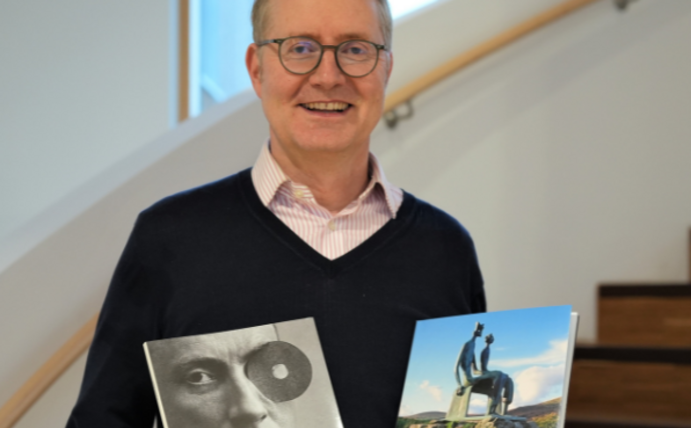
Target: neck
[[334, 178]]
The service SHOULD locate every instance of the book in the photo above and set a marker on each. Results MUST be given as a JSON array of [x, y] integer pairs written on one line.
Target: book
[[273, 375], [495, 369]]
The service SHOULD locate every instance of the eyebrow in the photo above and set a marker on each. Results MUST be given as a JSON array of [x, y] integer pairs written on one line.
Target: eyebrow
[[207, 363], [340, 37]]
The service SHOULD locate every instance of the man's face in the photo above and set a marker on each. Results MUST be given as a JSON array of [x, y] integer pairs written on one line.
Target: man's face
[[284, 94], [204, 383]]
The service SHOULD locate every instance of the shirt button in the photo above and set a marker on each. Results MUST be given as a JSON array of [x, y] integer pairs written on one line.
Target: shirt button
[[299, 193], [332, 225]]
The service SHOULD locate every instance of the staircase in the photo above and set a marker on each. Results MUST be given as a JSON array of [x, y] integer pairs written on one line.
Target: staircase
[[639, 372]]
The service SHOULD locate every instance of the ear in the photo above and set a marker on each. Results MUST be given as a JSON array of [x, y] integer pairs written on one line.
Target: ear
[[389, 64], [253, 63]]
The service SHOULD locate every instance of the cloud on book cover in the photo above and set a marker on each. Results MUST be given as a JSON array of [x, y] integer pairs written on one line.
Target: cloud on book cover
[[405, 410], [537, 384], [556, 354], [434, 391], [478, 405]]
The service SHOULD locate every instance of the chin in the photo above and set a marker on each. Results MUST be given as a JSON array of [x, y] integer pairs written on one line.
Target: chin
[[324, 141], [331, 138]]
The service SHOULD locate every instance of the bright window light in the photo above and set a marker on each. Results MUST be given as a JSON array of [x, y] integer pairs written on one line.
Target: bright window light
[[402, 7], [220, 31]]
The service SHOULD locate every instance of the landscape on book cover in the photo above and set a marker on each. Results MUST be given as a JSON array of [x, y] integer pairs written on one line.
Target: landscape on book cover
[[507, 366], [273, 375]]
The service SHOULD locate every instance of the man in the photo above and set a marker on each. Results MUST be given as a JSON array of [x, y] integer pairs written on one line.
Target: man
[[313, 230]]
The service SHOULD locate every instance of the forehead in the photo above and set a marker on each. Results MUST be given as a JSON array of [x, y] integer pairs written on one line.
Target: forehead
[[324, 19], [231, 346]]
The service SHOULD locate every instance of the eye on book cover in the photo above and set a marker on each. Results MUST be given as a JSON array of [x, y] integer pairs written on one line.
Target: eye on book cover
[[496, 369], [269, 375]]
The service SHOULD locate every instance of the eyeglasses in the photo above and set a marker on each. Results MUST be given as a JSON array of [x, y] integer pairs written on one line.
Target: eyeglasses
[[302, 55]]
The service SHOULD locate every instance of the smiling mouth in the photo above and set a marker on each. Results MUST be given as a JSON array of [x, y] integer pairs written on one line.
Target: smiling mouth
[[335, 107]]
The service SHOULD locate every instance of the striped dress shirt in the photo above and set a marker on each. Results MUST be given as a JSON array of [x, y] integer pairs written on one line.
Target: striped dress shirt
[[331, 235]]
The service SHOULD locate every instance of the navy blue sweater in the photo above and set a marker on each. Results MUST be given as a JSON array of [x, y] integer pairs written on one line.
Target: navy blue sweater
[[215, 258]]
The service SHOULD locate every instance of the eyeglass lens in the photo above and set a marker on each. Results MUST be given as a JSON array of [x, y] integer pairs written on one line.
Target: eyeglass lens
[[301, 55]]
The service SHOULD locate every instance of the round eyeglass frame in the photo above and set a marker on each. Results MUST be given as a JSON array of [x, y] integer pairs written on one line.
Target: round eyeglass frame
[[321, 53]]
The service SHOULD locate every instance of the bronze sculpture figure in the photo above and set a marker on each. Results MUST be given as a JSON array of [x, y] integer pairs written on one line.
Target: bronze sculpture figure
[[496, 385]]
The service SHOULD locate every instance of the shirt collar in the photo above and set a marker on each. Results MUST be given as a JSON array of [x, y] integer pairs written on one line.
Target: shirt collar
[[392, 194], [268, 177]]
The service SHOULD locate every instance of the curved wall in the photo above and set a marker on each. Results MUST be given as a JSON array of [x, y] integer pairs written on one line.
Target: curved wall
[[564, 156], [83, 85]]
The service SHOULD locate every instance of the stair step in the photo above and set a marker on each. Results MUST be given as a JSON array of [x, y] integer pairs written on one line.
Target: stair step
[[604, 422], [644, 314], [633, 354], [630, 383]]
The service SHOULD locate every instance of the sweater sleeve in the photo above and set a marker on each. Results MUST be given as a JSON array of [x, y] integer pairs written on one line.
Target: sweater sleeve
[[473, 282], [478, 302], [116, 390]]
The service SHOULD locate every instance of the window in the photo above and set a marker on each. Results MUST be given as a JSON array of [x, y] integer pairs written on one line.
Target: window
[[220, 31]]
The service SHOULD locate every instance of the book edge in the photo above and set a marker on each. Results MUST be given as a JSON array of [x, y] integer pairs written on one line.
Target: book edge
[[571, 345], [155, 383]]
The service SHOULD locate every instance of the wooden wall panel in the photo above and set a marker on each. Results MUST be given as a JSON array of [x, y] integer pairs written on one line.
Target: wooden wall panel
[[646, 321], [630, 390]]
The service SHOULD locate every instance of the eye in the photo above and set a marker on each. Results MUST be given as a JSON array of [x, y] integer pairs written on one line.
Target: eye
[[199, 377], [356, 49], [302, 47]]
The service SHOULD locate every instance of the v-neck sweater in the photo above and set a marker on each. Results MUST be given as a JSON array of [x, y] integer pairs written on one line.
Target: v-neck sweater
[[215, 258]]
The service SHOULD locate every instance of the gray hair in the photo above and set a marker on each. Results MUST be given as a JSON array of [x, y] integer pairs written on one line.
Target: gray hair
[[260, 17]]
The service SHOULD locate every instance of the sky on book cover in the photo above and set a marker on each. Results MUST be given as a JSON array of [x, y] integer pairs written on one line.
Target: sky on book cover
[[530, 345]]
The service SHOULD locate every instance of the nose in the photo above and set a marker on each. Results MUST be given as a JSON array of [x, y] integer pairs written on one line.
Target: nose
[[246, 408], [327, 74]]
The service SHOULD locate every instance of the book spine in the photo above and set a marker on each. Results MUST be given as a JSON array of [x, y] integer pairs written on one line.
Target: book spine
[[154, 381], [571, 344]]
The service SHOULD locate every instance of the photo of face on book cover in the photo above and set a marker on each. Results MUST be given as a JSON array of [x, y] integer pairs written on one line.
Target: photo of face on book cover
[[271, 375], [496, 369]]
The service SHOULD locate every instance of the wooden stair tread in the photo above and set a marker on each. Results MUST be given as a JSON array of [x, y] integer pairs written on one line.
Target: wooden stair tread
[[638, 375], [633, 354], [602, 421], [644, 314], [647, 289], [631, 382]]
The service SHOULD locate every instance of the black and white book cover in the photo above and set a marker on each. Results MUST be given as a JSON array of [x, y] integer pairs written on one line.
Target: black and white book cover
[[271, 375]]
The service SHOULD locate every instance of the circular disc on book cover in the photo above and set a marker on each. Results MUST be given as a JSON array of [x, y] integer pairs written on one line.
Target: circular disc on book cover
[[281, 371]]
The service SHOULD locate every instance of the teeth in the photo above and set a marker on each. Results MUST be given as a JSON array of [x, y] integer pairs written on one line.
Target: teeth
[[326, 106]]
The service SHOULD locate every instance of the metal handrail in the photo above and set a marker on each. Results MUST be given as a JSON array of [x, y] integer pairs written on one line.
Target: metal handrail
[[406, 93]]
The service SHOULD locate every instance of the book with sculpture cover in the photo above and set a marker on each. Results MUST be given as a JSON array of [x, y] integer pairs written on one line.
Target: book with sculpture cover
[[273, 375], [496, 369]]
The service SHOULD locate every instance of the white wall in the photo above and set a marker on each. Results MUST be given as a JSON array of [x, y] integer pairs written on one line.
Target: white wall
[[432, 35], [83, 84], [564, 156], [55, 405], [53, 289]]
